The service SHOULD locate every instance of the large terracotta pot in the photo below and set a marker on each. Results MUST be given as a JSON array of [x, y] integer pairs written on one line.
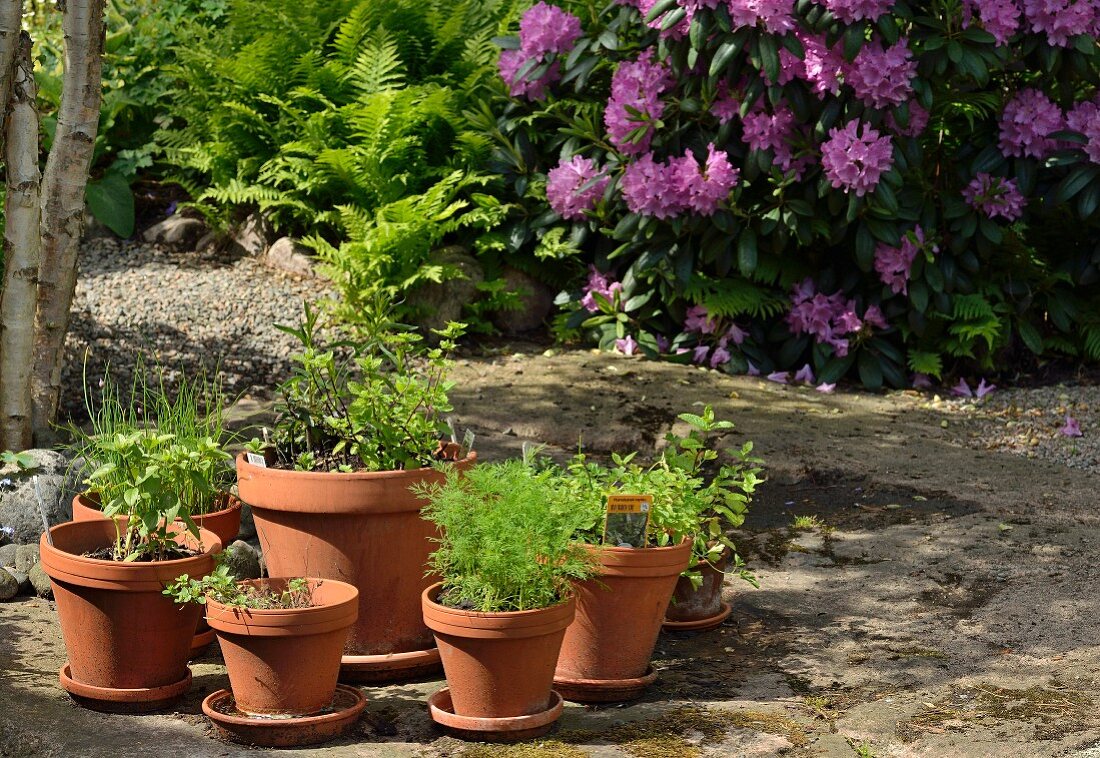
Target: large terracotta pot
[[697, 609], [225, 521], [126, 641], [498, 665], [606, 651], [362, 528], [285, 661]]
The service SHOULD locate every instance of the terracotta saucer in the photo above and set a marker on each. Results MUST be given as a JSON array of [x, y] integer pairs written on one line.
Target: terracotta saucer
[[510, 729], [604, 690], [113, 700], [698, 625], [284, 731], [394, 667], [200, 642]]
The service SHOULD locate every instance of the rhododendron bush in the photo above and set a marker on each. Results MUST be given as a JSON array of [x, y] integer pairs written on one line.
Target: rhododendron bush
[[838, 187]]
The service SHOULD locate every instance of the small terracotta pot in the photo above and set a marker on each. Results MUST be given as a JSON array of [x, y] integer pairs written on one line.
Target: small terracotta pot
[[120, 631], [285, 661], [362, 528], [224, 522], [498, 665], [619, 616], [690, 605]]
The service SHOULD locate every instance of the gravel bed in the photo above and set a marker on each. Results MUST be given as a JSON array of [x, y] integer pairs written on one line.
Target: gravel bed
[[1028, 422], [188, 311]]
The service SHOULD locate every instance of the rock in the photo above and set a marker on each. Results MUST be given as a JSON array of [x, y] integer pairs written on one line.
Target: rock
[[290, 256], [25, 557], [59, 482], [242, 560], [443, 302], [247, 531], [40, 581], [178, 232], [536, 300], [7, 555], [254, 235], [9, 585], [20, 577]]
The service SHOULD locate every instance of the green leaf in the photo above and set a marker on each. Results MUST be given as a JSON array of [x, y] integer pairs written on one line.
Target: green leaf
[[722, 57], [111, 201], [769, 57], [870, 372], [1030, 336], [746, 251]]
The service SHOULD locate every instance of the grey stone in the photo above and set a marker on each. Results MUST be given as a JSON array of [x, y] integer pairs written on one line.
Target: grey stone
[[40, 581], [7, 555], [25, 557], [290, 256], [254, 235], [179, 232], [247, 532], [9, 585], [59, 483], [242, 560], [20, 577], [443, 302], [536, 300]]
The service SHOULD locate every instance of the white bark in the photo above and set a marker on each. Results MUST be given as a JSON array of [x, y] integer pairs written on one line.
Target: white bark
[[11, 13], [22, 242], [63, 185]]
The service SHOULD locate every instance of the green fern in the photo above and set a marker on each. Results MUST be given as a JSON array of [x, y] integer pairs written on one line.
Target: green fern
[[926, 363], [733, 296]]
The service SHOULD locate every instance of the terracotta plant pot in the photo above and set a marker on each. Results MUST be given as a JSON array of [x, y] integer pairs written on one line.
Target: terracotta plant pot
[[606, 651], [128, 644], [224, 522], [699, 609], [362, 528], [285, 661], [498, 665]]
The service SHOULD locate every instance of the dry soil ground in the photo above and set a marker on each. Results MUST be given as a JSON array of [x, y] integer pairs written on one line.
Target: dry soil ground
[[944, 606]]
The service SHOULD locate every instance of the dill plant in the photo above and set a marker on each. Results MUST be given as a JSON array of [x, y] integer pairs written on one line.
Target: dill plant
[[507, 539], [156, 457]]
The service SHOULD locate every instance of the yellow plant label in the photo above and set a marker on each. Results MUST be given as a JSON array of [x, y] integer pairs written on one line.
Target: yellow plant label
[[627, 520]]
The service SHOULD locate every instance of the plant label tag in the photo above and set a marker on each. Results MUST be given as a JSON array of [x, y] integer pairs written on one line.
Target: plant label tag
[[627, 520], [468, 441], [256, 459]]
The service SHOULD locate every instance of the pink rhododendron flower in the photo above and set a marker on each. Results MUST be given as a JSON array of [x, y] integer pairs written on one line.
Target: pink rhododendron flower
[[699, 355], [598, 284], [636, 86], [822, 66], [918, 121], [893, 263], [574, 186], [510, 64], [775, 132], [882, 77], [826, 388], [873, 316], [725, 106], [778, 376], [776, 15], [828, 318], [962, 389], [921, 381], [1001, 18], [719, 357], [851, 11], [1027, 123], [1072, 427], [1084, 118], [995, 196], [626, 345], [733, 334], [1061, 20], [984, 389], [856, 161], [697, 320], [752, 370], [665, 190], [547, 29], [805, 375]]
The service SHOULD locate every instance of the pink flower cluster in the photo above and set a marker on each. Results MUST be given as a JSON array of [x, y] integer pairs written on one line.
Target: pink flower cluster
[[725, 106], [1001, 18], [699, 321], [1084, 118], [1028, 120], [665, 190], [894, 263], [775, 132], [574, 186], [600, 284], [850, 11], [918, 121], [856, 161], [995, 196], [882, 77], [1062, 20], [636, 88], [775, 15], [544, 32], [829, 318]]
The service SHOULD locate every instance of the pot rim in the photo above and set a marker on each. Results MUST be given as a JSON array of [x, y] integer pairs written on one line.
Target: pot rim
[[87, 500], [500, 624], [643, 561], [243, 466], [340, 612]]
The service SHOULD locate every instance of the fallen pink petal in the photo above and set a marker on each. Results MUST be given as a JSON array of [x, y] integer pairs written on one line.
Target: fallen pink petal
[[962, 389], [627, 345], [826, 388], [805, 375], [1072, 427], [778, 376], [921, 381], [984, 389]]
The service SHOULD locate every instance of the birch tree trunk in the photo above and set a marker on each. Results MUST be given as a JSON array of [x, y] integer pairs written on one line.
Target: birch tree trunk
[[22, 243], [63, 185], [11, 14]]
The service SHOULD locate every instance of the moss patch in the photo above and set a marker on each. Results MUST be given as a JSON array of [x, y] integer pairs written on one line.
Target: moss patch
[[543, 749]]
